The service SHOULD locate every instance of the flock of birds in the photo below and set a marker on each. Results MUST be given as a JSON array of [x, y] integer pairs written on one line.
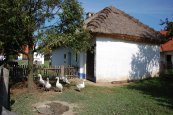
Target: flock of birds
[[46, 84]]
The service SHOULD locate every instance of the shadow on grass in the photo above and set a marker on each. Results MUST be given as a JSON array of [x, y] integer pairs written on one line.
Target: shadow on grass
[[161, 89]]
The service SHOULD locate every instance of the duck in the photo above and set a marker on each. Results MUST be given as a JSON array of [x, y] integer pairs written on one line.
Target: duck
[[81, 85], [58, 85], [47, 85], [41, 81]]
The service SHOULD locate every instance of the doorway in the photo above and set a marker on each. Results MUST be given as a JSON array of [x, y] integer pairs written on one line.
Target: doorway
[[69, 58], [90, 66], [169, 61]]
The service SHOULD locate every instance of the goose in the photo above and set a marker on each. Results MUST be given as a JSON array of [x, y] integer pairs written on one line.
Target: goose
[[66, 80], [59, 85], [41, 81], [61, 78], [47, 85], [81, 85]]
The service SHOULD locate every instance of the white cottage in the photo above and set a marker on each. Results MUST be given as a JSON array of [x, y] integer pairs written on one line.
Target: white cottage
[[124, 49], [166, 53]]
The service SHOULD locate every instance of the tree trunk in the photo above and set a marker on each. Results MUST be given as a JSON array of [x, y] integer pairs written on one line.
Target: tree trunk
[[31, 84]]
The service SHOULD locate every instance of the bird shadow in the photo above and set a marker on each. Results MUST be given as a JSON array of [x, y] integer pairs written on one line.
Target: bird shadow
[[77, 90]]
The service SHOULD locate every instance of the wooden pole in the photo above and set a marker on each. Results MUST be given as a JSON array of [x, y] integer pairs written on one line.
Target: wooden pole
[[62, 70], [4, 86]]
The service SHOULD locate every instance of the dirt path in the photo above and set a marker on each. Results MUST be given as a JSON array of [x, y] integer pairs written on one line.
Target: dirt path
[[103, 84], [54, 108]]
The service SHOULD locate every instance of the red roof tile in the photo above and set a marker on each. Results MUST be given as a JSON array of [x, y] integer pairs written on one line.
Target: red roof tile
[[164, 33]]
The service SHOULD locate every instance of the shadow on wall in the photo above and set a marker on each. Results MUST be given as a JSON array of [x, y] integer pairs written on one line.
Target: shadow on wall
[[145, 63]]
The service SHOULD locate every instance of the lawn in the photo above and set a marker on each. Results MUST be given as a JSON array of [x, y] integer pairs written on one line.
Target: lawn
[[147, 97]]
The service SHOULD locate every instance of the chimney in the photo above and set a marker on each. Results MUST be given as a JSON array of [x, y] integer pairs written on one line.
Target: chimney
[[89, 15]]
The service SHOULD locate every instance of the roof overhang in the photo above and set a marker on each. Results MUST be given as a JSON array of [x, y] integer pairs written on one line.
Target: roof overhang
[[128, 37]]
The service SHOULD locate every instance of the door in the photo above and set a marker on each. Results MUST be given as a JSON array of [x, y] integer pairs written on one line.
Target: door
[[69, 58], [169, 61], [90, 66]]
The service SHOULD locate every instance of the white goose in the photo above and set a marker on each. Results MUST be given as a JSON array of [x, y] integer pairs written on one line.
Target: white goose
[[66, 80], [81, 85], [47, 85], [59, 85], [41, 81]]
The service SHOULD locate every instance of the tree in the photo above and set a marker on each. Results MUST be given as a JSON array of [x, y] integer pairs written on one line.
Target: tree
[[168, 27], [25, 23], [70, 31], [20, 19]]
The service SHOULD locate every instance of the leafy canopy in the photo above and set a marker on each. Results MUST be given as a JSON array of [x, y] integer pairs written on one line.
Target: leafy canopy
[[168, 27], [69, 31], [19, 20]]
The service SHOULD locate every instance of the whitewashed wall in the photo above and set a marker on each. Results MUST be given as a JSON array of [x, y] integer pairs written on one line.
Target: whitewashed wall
[[39, 58], [80, 61], [58, 57], [163, 60], [82, 65], [117, 60], [164, 54]]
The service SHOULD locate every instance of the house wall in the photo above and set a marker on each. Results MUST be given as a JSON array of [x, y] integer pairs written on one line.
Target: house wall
[[78, 60], [64, 56], [39, 58], [82, 65], [117, 60], [164, 54], [163, 60]]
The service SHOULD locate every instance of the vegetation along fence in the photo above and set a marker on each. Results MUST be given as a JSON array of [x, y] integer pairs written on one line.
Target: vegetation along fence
[[18, 72]]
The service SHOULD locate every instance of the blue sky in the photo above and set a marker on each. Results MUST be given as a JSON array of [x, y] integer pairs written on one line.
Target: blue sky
[[150, 12]]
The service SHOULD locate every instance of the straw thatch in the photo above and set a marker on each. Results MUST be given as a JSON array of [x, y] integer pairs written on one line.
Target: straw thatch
[[117, 24]]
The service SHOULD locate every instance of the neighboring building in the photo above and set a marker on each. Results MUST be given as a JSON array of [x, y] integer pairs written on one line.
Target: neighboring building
[[38, 58], [124, 49], [166, 53], [2, 57]]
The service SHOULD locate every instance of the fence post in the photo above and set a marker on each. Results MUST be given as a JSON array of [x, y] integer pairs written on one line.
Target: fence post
[[62, 70], [4, 81]]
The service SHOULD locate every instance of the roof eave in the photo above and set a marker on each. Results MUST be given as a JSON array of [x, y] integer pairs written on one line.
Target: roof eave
[[128, 37]]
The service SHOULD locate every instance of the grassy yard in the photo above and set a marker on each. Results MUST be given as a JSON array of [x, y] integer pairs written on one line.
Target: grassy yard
[[147, 97]]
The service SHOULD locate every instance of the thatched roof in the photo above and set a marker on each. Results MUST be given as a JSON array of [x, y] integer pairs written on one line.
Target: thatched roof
[[115, 23]]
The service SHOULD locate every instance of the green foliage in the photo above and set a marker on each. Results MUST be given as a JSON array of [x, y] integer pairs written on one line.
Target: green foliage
[[168, 27], [23, 103], [69, 31], [20, 19], [23, 23], [71, 17], [79, 41]]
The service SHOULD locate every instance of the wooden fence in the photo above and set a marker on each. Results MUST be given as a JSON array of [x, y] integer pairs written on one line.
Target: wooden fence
[[21, 71]]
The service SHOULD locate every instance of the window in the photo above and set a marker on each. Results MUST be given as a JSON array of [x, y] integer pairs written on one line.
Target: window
[[64, 56], [76, 57]]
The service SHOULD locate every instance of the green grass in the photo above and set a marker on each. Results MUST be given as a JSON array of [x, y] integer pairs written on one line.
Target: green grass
[[22, 104], [147, 97]]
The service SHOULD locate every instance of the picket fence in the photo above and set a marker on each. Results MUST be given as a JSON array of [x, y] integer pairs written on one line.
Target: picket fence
[[21, 71]]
